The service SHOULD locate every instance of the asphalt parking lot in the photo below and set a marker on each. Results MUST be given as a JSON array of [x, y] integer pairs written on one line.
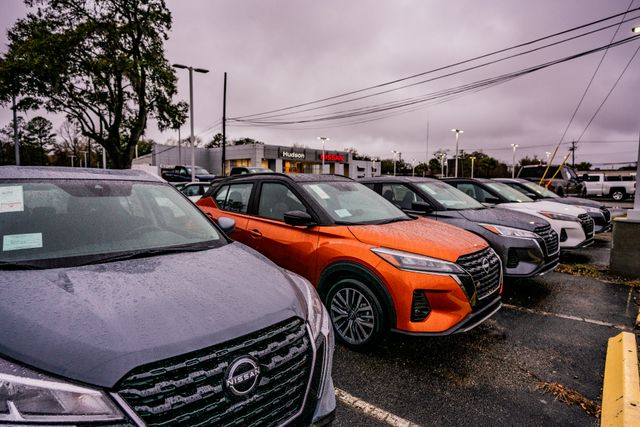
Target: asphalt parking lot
[[551, 334]]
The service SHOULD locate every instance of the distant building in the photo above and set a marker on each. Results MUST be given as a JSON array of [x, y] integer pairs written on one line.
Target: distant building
[[275, 157]]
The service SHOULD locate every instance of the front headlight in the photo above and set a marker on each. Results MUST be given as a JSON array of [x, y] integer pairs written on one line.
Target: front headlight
[[559, 217], [27, 396], [591, 209], [317, 315], [509, 231], [414, 262]]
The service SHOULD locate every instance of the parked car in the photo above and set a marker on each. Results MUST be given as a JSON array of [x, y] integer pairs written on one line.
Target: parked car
[[599, 184], [599, 213], [376, 268], [194, 190], [527, 245], [241, 170], [121, 303], [565, 183], [573, 224], [183, 174]]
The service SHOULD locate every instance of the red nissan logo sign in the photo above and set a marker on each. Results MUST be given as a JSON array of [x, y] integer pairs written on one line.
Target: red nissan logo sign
[[332, 157]]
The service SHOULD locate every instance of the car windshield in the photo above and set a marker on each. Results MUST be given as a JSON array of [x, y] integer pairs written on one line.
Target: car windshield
[[260, 170], [508, 193], [62, 223], [449, 196], [540, 190], [353, 203], [199, 171]]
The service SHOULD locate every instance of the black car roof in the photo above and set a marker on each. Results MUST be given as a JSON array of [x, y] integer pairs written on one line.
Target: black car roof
[[482, 180], [302, 177], [398, 179], [56, 172]]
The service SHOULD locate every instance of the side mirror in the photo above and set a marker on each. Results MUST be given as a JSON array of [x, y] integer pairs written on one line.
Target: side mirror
[[298, 219], [421, 207], [491, 200], [228, 225]]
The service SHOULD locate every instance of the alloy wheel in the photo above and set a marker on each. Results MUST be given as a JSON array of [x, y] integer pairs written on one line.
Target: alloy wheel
[[352, 315]]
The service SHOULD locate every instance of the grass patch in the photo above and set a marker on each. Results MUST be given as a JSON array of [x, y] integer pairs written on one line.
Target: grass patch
[[599, 272], [570, 397]]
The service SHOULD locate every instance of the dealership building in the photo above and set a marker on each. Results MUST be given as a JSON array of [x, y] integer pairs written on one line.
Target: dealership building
[[275, 157]]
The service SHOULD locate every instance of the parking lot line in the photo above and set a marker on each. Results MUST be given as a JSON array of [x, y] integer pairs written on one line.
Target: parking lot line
[[566, 316], [372, 411]]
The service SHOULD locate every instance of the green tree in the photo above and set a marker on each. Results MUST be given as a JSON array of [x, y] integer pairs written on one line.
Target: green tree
[[583, 166], [37, 142], [101, 63], [7, 146]]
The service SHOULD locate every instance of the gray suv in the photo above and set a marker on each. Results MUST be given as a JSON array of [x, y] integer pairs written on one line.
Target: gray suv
[[121, 303]]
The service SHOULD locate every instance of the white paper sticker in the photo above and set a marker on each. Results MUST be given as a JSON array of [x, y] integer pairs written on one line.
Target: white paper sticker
[[14, 242], [319, 191], [11, 199], [342, 213]]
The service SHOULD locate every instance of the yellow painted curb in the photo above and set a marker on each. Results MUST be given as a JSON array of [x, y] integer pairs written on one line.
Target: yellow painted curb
[[621, 390]]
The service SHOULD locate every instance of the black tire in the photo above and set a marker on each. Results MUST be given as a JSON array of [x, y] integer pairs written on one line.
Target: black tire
[[356, 314], [618, 194]]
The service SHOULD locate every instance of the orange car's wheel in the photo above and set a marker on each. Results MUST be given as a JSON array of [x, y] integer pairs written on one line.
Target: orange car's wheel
[[357, 316]]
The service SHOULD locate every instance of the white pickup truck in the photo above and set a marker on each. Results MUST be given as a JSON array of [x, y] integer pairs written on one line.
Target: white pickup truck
[[615, 186]]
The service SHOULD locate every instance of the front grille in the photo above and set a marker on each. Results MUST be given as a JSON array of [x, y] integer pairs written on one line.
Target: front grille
[[550, 238], [189, 390], [486, 281], [587, 224]]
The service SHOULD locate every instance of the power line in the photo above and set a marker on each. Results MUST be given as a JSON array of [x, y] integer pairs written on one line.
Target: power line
[[451, 65], [435, 95]]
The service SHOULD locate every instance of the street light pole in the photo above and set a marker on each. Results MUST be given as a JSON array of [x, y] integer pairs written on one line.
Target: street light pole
[[458, 132], [473, 158], [394, 161], [192, 137], [413, 167], [513, 161], [323, 139]]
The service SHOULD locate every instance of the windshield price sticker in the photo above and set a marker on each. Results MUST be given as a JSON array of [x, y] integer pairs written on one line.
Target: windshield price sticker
[[342, 213], [15, 242], [320, 192], [11, 199]]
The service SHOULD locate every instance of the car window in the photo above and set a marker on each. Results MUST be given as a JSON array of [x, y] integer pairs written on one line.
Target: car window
[[508, 193], [615, 178], [192, 190], [593, 178], [400, 195], [234, 197], [449, 196], [534, 172], [71, 222], [276, 199]]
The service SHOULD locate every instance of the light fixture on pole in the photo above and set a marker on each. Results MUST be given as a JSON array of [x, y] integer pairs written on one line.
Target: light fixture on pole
[[513, 161], [473, 158], [323, 139], [457, 132], [394, 161], [192, 137]]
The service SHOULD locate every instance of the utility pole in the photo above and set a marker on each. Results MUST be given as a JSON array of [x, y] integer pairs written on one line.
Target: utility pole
[[427, 152], [16, 142], [72, 156], [457, 132], [573, 153], [513, 161], [224, 125], [473, 158]]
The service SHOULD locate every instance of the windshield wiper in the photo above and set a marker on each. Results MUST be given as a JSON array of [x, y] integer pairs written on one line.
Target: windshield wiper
[[7, 265], [390, 220], [146, 253]]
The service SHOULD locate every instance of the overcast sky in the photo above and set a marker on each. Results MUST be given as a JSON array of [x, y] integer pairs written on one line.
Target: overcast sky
[[282, 53]]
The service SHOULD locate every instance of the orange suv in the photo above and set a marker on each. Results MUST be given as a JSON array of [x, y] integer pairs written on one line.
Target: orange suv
[[376, 268]]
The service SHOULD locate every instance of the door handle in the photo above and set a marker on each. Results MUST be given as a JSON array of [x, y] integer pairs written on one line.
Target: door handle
[[256, 234]]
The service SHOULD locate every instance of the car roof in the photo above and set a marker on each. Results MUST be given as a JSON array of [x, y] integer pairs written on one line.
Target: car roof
[[392, 178], [301, 177], [481, 180], [57, 172]]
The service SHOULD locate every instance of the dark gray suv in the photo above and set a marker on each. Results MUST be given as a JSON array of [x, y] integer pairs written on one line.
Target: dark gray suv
[[121, 303], [526, 244]]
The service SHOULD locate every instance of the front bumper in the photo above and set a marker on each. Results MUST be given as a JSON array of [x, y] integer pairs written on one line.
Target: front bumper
[[524, 258], [471, 321]]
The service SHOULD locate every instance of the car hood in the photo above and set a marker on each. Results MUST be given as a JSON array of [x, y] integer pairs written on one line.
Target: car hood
[[205, 177], [95, 323], [509, 218], [422, 236], [543, 205], [576, 201]]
